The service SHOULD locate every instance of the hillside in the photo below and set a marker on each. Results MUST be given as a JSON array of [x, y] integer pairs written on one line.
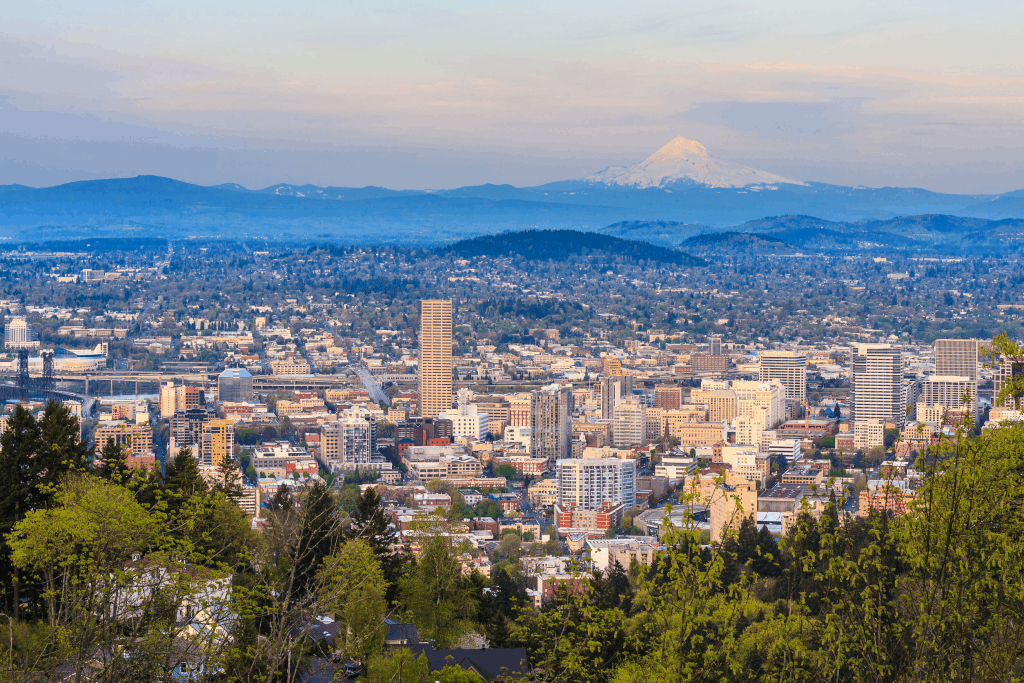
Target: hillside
[[564, 245]]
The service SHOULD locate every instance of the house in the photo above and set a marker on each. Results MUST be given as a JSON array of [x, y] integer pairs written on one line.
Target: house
[[492, 664]]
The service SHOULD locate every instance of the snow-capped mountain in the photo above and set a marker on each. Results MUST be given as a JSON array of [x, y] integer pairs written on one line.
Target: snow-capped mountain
[[686, 161]]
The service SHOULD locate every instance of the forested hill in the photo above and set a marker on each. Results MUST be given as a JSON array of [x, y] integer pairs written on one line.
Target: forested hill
[[561, 245]]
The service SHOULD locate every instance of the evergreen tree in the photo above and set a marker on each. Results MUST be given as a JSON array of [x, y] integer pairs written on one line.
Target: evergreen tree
[[229, 479], [18, 494], [318, 536], [60, 449], [181, 476], [369, 523], [114, 464]]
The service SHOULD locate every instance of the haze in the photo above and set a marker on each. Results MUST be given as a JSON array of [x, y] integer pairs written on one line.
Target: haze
[[417, 95]]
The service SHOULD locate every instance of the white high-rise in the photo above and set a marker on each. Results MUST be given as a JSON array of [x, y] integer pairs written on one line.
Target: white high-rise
[[945, 393], [347, 442], [467, 421], [789, 368], [18, 335], [590, 483], [628, 425]]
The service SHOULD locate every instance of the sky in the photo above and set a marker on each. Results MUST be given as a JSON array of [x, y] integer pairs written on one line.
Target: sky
[[445, 94]]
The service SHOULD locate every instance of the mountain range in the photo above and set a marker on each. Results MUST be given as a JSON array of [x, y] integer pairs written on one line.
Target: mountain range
[[676, 193]]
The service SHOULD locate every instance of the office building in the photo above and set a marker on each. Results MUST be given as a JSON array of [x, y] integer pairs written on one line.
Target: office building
[[172, 399], [957, 358], [347, 443], [628, 425], [769, 396], [878, 386], [18, 335], [234, 386], [519, 410], [786, 367], [613, 390], [467, 422], [435, 361], [714, 345], [592, 483], [942, 394], [668, 397], [550, 426], [218, 442], [133, 439], [1008, 373]]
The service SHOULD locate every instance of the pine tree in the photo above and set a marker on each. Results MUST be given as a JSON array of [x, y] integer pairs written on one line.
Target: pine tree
[[318, 536], [114, 466], [369, 523], [181, 476], [60, 448], [18, 494]]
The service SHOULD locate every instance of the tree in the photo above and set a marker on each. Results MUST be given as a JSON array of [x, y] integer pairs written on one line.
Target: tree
[[440, 598], [319, 533], [355, 589], [506, 470], [369, 524]]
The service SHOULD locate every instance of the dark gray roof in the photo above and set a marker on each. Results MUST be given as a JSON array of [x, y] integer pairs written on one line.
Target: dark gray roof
[[491, 663]]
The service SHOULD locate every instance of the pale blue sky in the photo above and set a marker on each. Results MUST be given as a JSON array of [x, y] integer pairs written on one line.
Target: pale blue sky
[[410, 94]]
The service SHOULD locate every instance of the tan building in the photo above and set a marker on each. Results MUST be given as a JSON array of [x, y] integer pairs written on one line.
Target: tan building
[[289, 366], [519, 410], [730, 504], [435, 362], [698, 433], [133, 439], [722, 403]]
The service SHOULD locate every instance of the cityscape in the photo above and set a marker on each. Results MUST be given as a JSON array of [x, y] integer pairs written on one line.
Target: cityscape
[[511, 342]]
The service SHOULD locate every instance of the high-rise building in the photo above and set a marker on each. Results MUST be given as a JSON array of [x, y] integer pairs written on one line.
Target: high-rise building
[[789, 368], [611, 366], [234, 386], [592, 483], [957, 358], [628, 426], [550, 426], [878, 385], [18, 335], [1007, 372], [941, 394], [613, 390], [467, 421], [347, 442], [714, 345], [519, 410], [218, 441], [172, 399], [435, 357], [668, 397]]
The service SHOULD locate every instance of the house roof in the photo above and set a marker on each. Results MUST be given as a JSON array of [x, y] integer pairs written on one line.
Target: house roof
[[490, 663]]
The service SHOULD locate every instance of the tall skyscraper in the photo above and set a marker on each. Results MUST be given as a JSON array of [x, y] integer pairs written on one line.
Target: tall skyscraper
[[613, 390], [435, 357], [789, 368], [550, 426], [942, 393], [878, 384], [957, 358]]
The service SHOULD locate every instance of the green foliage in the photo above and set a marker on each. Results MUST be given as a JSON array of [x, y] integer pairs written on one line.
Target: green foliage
[[560, 245], [506, 470], [441, 600]]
